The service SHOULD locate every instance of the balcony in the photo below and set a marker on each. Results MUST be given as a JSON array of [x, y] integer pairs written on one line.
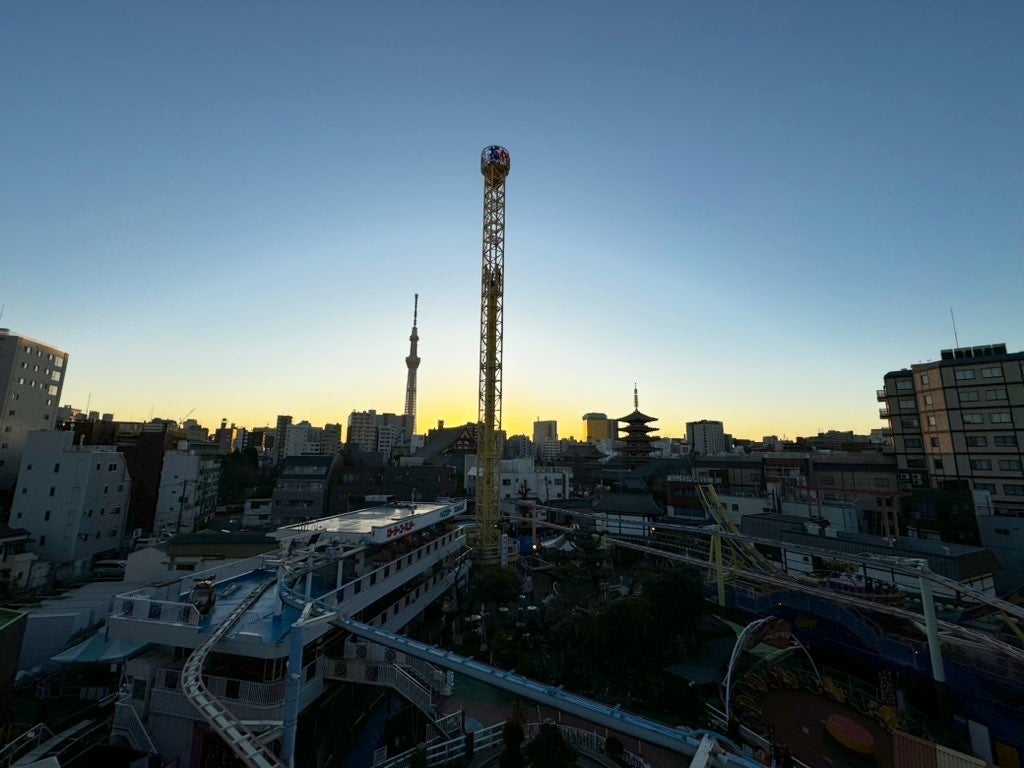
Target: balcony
[[884, 413], [880, 395]]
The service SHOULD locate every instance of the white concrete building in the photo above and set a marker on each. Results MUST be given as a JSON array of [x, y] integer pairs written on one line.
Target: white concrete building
[[31, 380], [706, 437], [73, 499], [523, 479]]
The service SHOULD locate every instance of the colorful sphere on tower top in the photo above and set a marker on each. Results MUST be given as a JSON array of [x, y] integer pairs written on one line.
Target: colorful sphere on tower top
[[495, 157]]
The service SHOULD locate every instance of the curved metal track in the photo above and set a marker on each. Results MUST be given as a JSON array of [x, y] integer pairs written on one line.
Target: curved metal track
[[243, 742]]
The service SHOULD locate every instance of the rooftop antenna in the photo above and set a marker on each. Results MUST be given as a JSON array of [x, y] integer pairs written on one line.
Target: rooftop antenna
[[2, 308], [951, 317]]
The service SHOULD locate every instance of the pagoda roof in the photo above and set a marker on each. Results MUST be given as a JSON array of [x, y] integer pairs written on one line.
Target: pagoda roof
[[636, 416]]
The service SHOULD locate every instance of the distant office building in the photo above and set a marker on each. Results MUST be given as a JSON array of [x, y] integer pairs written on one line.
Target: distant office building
[[523, 479], [280, 432], [31, 380], [303, 439], [545, 441], [189, 481], [958, 423], [226, 438], [384, 432], [598, 427], [194, 432], [519, 447], [706, 437], [73, 498]]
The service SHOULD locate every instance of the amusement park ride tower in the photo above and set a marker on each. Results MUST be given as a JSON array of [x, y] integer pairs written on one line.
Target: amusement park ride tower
[[494, 165]]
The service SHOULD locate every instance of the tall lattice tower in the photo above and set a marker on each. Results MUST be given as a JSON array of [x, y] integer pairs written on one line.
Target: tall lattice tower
[[412, 362], [495, 164]]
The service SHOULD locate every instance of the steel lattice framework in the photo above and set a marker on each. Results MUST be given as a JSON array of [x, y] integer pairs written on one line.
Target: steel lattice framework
[[494, 165]]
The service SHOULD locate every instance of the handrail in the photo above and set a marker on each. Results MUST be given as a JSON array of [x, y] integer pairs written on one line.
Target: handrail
[[127, 718]]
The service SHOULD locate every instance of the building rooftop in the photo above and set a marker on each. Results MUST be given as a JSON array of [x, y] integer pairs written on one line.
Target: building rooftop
[[375, 524]]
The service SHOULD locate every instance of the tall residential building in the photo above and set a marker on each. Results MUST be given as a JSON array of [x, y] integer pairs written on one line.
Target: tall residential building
[[706, 437], [303, 439], [372, 431], [189, 480], [280, 432], [412, 363], [598, 427], [72, 498], [545, 440], [957, 423], [31, 380]]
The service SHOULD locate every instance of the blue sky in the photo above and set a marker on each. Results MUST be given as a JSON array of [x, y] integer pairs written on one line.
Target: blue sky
[[754, 210]]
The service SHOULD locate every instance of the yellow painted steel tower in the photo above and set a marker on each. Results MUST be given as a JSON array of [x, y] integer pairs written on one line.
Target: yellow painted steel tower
[[495, 164]]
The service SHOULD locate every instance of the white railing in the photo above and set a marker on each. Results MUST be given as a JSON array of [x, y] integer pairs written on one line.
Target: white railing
[[578, 737], [364, 590], [127, 720], [450, 725], [443, 753], [31, 738]]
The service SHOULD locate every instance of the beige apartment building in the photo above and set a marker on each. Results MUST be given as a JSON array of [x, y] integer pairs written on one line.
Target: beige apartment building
[[957, 423]]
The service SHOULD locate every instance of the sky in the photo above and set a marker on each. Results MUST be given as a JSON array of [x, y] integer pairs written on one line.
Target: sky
[[753, 210]]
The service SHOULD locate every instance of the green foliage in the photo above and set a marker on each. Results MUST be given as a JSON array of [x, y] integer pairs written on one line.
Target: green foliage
[[493, 586], [239, 473], [512, 754], [549, 750]]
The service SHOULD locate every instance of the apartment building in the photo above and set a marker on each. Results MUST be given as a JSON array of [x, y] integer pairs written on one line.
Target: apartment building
[[31, 379], [957, 423], [72, 498], [706, 437]]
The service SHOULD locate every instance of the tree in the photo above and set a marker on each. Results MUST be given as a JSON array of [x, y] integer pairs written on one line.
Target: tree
[[493, 585], [511, 753], [549, 750]]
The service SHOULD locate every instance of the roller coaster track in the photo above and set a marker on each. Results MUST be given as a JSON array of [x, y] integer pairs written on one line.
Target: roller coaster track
[[243, 742]]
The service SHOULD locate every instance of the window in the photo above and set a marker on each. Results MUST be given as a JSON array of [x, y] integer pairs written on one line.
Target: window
[[42, 540], [937, 464], [828, 480], [882, 482], [59, 362], [912, 442], [1001, 418], [931, 421], [53, 490], [1002, 531], [992, 373], [977, 442], [1005, 441], [915, 463], [928, 400], [990, 487], [46, 515], [1009, 465], [964, 374], [968, 397], [908, 404], [1008, 488], [995, 394], [974, 418], [112, 468], [934, 441], [924, 378], [981, 464], [21, 381], [10, 413], [910, 423], [904, 385], [56, 468]]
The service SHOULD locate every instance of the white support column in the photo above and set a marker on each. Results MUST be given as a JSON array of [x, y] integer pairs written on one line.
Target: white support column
[[931, 626]]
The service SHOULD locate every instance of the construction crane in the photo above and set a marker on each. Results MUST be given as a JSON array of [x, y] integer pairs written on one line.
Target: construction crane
[[495, 164], [181, 421]]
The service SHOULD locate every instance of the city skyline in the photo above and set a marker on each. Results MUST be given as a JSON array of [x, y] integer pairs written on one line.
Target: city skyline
[[753, 211]]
